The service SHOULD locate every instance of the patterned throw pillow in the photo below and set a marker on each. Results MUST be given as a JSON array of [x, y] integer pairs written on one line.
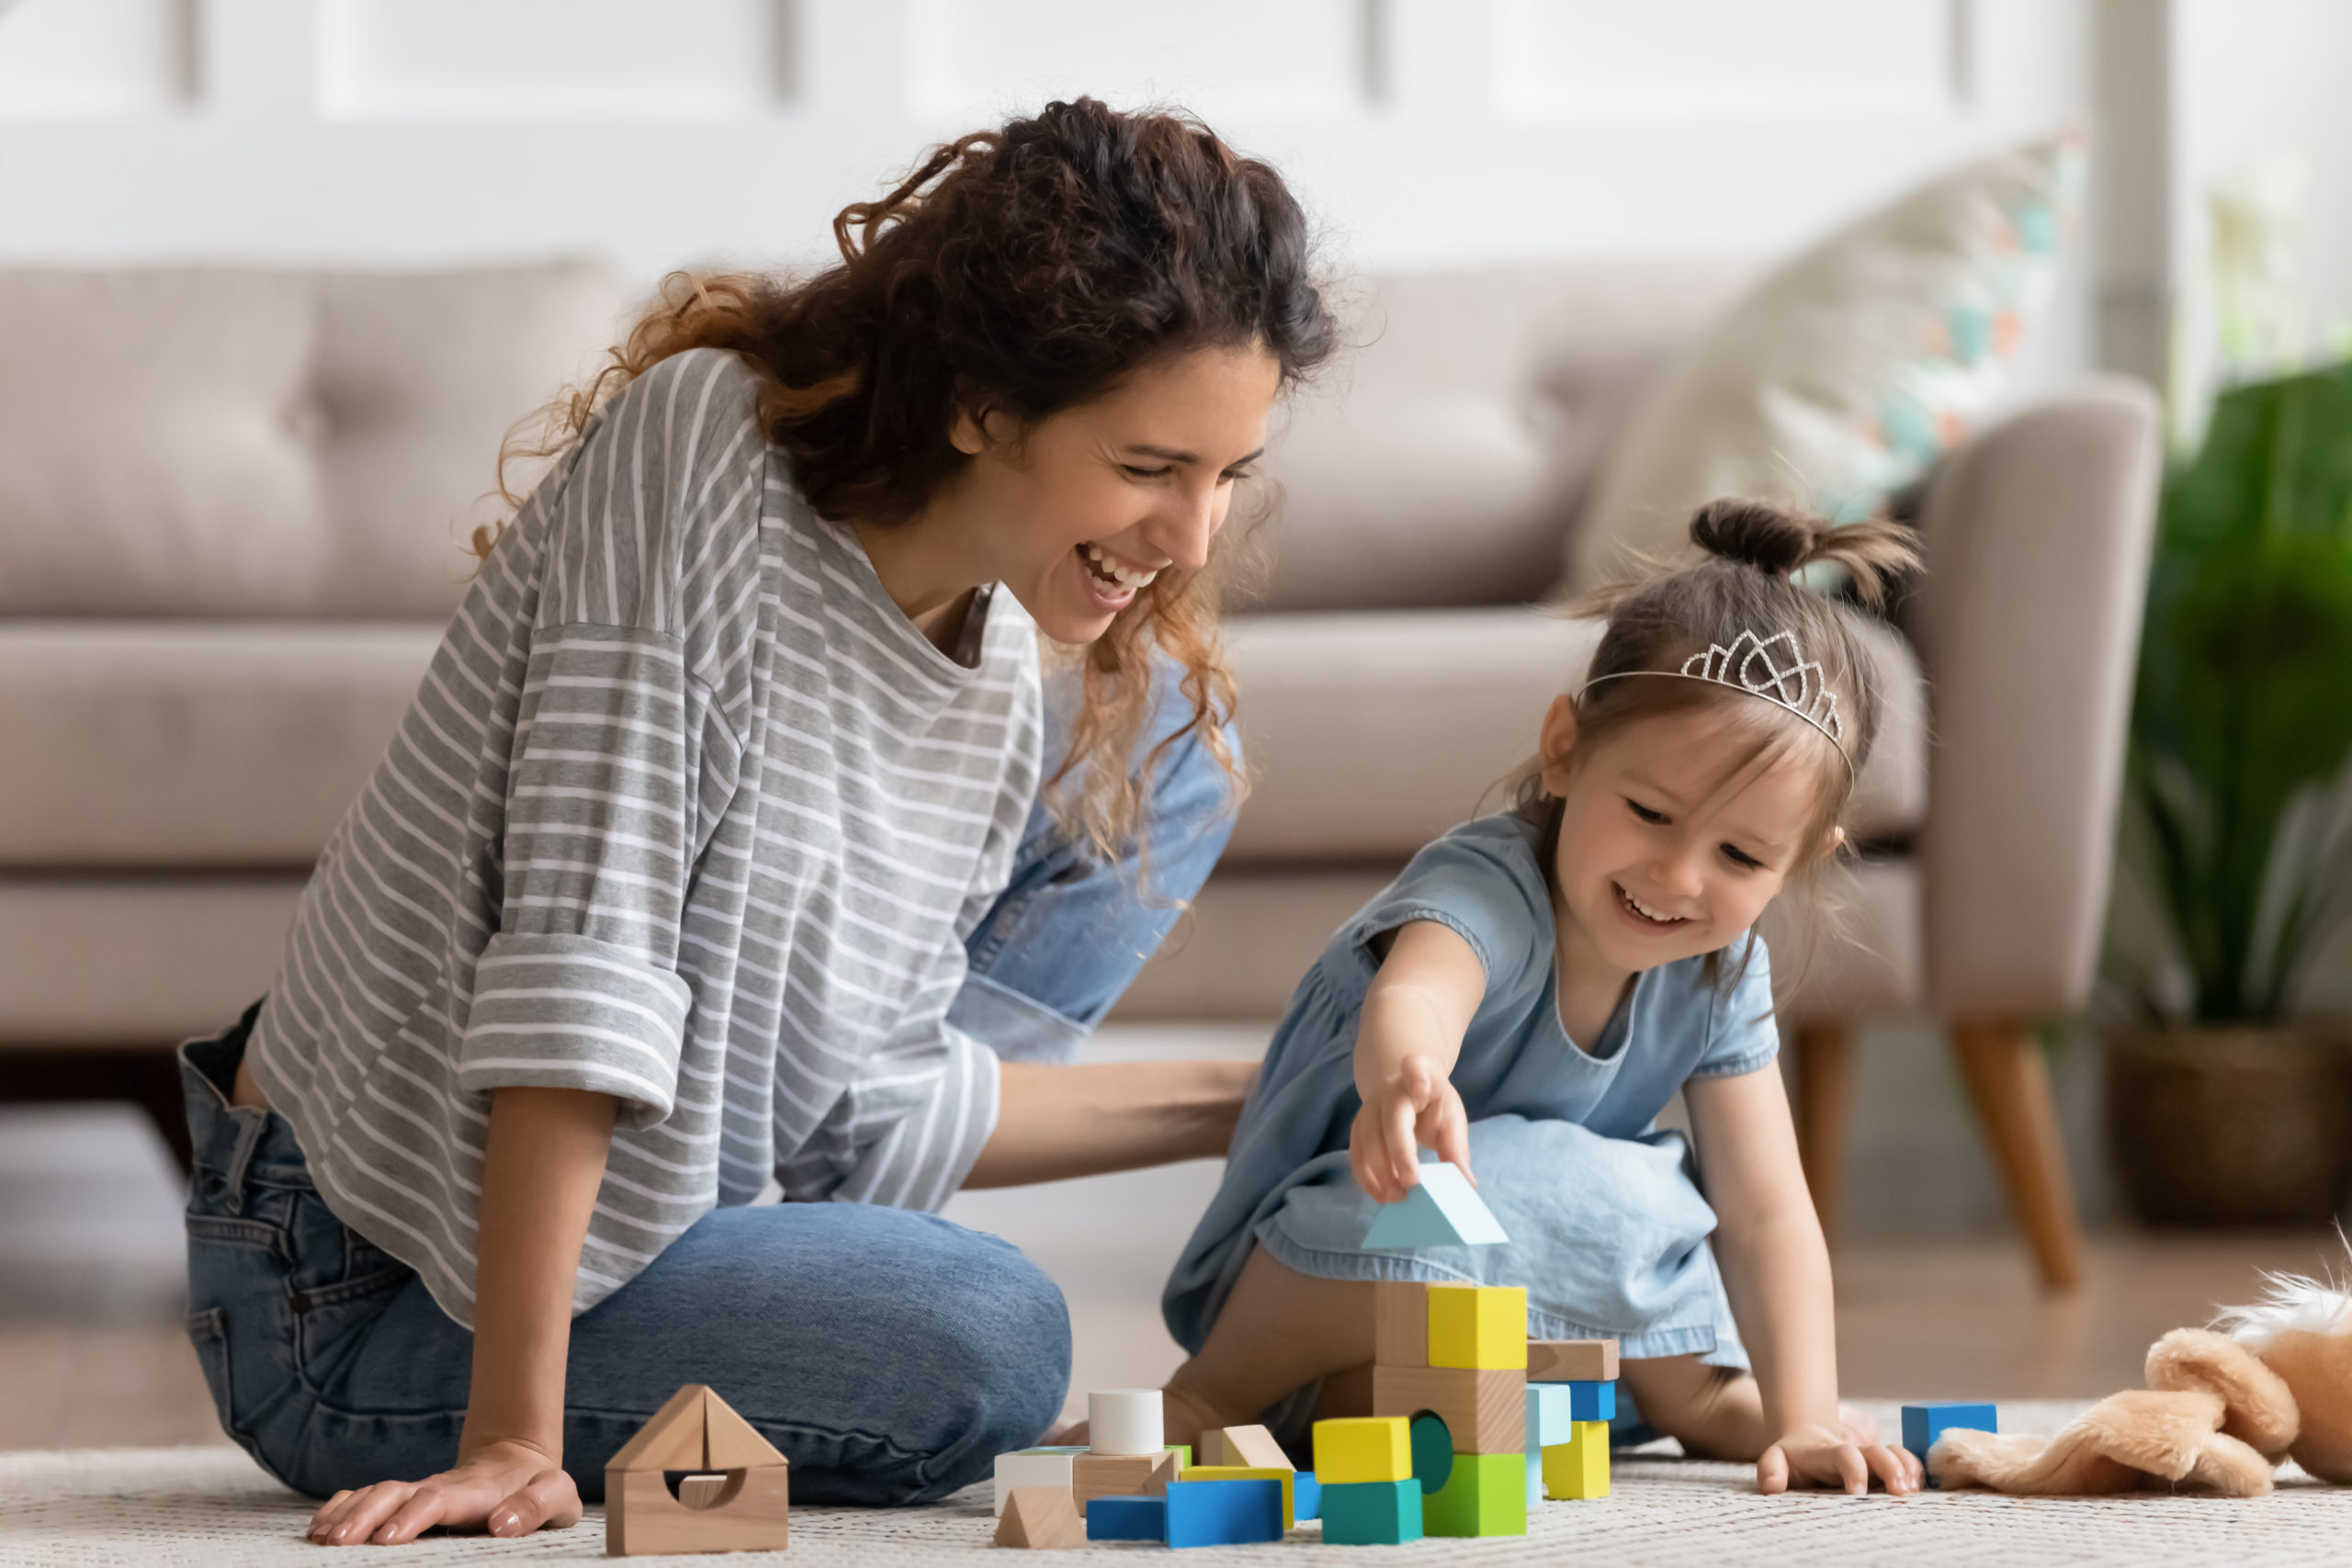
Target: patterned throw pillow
[[1850, 369]]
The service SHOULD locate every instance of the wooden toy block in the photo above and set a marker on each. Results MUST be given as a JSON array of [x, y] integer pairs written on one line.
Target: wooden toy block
[[1441, 1210], [1251, 1446], [1120, 1475], [1549, 1414], [1400, 1322], [1486, 1494], [1282, 1474], [1224, 1512], [1433, 1452], [1123, 1421], [746, 1508], [1923, 1424], [1184, 1452], [1591, 1400], [1484, 1411], [1572, 1361], [1034, 1467], [1128, 1519], [1306, 1497], [1363, 1448], [1478, 1326], [1371, 1513], [1579, 1468], [1041, 1519]]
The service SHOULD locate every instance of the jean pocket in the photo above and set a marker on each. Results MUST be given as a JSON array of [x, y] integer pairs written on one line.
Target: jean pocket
[[209, 1332]]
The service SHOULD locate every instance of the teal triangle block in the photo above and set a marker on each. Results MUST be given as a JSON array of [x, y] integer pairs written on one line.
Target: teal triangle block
[[1444, 1210]]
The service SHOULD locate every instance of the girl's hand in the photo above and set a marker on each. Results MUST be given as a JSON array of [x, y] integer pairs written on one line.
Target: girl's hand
[[1417, 1104], [1825, 1456], [510, 1487]]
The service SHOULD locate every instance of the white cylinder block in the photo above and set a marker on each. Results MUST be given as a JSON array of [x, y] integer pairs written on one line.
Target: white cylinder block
[[1124, 1421]]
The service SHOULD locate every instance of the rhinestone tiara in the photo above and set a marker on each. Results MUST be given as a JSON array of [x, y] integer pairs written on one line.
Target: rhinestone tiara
[[1771, 667]]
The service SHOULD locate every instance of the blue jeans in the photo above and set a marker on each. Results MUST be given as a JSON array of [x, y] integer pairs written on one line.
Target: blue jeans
[[890, 1354]]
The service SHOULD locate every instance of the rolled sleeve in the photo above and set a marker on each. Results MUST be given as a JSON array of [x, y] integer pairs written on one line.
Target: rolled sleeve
[[573, 1012]]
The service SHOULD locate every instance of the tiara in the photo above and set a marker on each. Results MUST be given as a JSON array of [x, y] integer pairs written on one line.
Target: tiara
[[1771, 667]]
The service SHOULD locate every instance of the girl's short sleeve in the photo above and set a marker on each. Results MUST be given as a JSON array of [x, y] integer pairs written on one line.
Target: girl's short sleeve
[[1742, 1034], [1481, 881]]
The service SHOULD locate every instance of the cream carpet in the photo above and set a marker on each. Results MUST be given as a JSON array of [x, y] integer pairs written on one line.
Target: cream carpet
[[181, 1507]]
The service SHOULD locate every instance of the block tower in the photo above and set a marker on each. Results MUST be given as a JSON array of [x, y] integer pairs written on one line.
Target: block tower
[[1571, 1399], [1451, 1363]]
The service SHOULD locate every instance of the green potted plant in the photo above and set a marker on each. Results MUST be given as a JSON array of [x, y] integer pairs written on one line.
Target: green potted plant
[[2228, 1101]]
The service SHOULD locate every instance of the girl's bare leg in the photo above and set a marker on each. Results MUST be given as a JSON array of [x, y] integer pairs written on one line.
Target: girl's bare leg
[[1280, 1329], [1713, 1412]]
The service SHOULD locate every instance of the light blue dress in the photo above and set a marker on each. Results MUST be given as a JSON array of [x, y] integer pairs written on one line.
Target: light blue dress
[[1608, 1224]]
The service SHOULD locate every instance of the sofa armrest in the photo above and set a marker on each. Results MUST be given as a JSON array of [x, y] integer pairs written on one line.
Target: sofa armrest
[[2037, 535]]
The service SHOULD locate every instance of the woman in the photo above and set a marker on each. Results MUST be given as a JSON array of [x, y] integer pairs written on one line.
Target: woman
[[714, 836]]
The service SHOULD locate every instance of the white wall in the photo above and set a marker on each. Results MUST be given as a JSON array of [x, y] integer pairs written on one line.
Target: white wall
[[1419, 131]]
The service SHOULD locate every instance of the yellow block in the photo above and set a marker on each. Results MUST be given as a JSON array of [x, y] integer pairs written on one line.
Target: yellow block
[[1289, 1478], [1481, 1326], [1361, 1449], [1579, 1468]]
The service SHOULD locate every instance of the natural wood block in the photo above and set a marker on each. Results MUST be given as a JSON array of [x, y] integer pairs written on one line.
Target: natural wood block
[[1400, 1322], [1041, 1519], [1250, 1446], [1120, 1475], [1284, 1473], [1353, 1451], [1579, 1468], [1478, 1326], [752, 1512], [1572, 1361], [1039, 1467], [701, 1491], [1485, 1410]]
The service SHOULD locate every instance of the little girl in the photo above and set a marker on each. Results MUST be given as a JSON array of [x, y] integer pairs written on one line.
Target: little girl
[[1525, 1000]]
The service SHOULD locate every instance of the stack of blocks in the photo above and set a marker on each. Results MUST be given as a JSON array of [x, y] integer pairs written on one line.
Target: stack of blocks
[[1571, 1399], [1130, 1486]]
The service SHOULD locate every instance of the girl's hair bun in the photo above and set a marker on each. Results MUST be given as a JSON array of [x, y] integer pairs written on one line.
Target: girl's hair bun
[[1755, 533]]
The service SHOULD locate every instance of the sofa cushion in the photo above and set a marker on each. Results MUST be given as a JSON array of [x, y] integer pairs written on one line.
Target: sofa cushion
[[1440, 461], [1369, 733], [127, 961], [193, 743], [247, 443]]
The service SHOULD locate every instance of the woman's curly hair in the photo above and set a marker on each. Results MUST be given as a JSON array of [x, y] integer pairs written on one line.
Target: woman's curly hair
[[1025, 271]]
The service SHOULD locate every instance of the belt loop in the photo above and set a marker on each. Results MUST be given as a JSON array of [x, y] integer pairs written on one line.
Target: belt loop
[[249, 1130]]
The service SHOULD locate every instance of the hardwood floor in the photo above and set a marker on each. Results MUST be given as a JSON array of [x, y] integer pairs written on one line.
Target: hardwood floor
[[91, 1351]]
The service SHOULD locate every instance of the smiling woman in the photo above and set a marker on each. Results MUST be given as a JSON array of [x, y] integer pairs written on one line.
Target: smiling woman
[[733, 845]]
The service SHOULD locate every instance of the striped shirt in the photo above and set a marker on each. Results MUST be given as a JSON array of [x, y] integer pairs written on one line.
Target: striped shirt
[[687, 812]]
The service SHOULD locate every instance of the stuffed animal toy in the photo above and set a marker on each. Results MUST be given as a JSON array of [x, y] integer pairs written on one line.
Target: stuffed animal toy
[[2220, 1411]]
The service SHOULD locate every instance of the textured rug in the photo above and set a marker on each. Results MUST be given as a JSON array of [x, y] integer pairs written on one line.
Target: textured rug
[[171, 1507]]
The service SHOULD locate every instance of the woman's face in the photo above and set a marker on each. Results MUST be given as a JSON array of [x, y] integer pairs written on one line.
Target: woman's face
[[1087, 506]]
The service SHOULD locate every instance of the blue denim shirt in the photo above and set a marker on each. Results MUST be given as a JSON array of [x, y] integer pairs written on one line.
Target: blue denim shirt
[[1482, 880]]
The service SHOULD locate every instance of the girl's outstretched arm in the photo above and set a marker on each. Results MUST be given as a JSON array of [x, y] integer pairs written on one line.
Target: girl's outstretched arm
[[1408, 1038], [1776, 1271], [541, 1167]]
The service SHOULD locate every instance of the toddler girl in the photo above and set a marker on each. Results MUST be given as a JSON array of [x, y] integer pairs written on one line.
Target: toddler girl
[[1527, 996]]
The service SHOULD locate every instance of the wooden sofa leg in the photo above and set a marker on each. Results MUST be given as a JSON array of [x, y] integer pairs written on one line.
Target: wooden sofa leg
[[1823, 1079], [2009, 1083]]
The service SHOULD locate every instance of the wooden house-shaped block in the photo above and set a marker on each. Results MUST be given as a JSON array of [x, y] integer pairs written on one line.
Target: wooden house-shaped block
[[733, 1496]]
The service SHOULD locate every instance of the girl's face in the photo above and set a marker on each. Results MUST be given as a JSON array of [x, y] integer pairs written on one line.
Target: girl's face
[[1087, 506], [1661, 855]]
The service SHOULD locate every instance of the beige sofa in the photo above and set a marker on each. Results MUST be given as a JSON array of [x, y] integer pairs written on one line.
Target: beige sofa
[[231, 504]]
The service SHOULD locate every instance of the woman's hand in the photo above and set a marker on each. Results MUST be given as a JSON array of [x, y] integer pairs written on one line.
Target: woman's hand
[[1826, 1456], [1416, 1104], [511, 1488]]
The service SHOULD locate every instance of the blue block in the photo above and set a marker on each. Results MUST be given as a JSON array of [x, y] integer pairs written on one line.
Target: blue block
[[1442, 1210], [1923, 1424], [1592, 1401], [1307, 1498], [1224, 1512], [1126, 1519], [1550, 1411]]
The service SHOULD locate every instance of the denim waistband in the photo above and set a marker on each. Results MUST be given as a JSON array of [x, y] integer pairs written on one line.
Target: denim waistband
[[234, 1144]]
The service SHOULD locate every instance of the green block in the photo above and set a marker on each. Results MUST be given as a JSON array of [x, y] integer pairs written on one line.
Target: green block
[[1184, 1452], [1371, 1513], [1433, 1452], [1486, 1494]]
